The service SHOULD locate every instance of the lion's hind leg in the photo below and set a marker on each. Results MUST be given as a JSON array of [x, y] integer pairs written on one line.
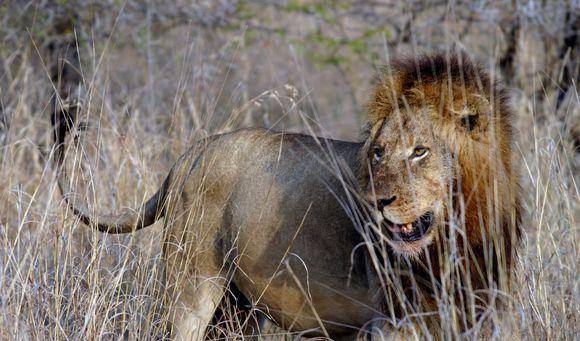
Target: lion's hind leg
[[193, 307], [235, 318]]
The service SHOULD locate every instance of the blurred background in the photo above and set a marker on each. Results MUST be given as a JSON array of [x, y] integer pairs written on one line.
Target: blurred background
[[150, 77]]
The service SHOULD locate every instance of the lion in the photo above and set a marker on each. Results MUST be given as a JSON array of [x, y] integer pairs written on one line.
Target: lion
[[327, 237]]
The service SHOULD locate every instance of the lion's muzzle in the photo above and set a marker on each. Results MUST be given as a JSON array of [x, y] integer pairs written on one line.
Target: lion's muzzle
[[410, 232]]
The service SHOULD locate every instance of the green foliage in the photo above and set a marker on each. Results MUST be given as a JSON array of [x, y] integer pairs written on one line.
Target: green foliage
[[325, 42], [322, 45], [328, 49], [244, 11]]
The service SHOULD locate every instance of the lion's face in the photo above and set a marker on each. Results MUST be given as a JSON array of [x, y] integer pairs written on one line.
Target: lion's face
[[410, 177]]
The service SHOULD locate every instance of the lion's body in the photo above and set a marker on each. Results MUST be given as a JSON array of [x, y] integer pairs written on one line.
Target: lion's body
[[271, 213], [266, 213]]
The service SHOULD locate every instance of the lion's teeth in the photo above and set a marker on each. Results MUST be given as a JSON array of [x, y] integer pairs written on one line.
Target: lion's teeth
[[378, 217]]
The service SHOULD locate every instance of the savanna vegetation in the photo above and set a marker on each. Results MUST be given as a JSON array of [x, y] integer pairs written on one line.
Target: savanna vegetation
[[144, 80]]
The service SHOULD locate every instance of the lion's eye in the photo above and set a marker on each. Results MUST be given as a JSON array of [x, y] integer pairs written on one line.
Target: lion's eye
[[420, 152], [377, 153]]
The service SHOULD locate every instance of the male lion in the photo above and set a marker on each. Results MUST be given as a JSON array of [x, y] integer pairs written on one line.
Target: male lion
[[328, 237]]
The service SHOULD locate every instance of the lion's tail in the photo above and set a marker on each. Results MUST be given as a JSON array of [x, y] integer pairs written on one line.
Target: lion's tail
[[127, 221]]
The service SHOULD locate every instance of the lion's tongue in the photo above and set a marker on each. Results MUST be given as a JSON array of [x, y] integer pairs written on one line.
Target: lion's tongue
[[395, 228]]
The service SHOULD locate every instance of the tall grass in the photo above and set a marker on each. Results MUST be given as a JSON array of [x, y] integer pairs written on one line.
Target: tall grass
[[62, 280]]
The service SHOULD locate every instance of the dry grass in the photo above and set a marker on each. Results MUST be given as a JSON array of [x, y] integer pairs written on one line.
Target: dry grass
[[146, 104]]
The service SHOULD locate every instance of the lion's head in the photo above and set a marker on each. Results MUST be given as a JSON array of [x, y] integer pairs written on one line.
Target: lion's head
[[439, 149]]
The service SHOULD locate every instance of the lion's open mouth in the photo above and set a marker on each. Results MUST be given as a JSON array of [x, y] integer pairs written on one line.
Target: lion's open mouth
[[413, 231]]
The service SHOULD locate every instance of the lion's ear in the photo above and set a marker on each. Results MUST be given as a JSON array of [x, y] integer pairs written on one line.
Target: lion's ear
[[474, 118], [469, 122], [474, 124]]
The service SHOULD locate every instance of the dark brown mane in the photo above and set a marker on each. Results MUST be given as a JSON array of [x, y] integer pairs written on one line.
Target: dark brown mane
[[434, 79], [434, 68]]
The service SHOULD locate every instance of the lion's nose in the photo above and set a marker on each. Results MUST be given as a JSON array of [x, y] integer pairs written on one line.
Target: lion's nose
[[384, 202]]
